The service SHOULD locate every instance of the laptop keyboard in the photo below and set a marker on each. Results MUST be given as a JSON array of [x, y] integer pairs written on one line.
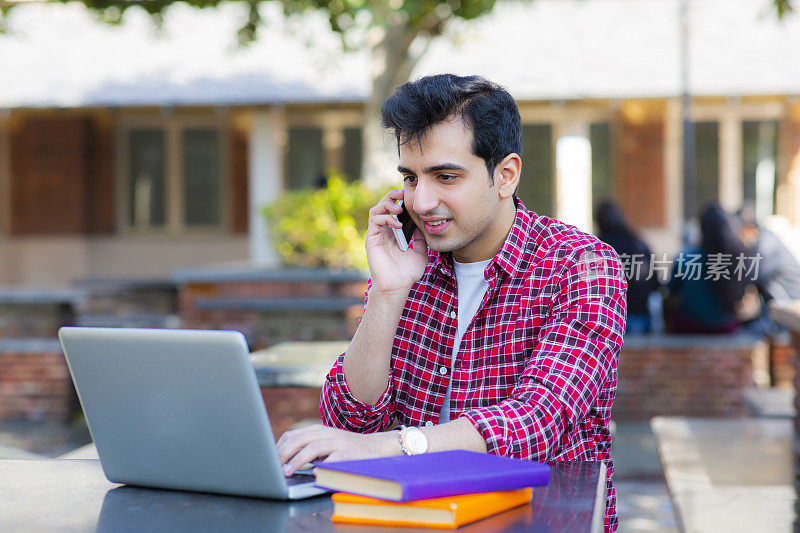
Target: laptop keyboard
[[297, 479]]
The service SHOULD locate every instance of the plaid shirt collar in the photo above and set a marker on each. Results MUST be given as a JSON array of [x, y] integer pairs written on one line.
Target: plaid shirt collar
[[509, 258]]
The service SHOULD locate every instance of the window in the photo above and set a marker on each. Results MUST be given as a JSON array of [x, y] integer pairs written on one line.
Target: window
[[174, 174], [536, 183], [602, 184], [351, 160], [304, 165], [759, 152], [706, 190], [202, 185], [147, 193]]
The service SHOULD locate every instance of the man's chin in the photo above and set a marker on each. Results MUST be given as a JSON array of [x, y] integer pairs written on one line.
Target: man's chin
[[440, 245]]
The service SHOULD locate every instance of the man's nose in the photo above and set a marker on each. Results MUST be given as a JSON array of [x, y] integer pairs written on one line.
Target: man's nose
[[425, 198]]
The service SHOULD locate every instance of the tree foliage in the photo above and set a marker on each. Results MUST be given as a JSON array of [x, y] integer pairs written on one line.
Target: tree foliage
[[323, 227], [783, 7], [427, 15]]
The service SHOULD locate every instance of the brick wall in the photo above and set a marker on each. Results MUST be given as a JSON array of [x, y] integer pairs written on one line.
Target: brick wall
[[782, 365], [702, 377], [289, 405], [264, 327], [697, 377], [35, 385], [641, 173]]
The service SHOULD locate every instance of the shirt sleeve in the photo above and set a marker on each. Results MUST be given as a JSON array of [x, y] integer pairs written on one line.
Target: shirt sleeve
[[576, 352], [340, 408]]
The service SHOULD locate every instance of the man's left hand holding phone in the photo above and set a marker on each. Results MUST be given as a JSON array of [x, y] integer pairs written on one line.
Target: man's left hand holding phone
[[397, 252], [367, 362]]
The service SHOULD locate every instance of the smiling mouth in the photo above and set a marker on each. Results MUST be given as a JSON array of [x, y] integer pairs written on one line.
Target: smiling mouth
[[436, 227]]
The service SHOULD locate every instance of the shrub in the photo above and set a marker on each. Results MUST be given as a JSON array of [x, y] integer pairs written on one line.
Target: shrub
[[323, 227]]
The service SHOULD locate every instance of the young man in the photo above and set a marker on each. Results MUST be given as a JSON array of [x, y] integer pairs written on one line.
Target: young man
[[499, 331]]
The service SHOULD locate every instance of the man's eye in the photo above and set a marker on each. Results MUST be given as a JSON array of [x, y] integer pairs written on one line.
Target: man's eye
[[446, 177], [410, 179]]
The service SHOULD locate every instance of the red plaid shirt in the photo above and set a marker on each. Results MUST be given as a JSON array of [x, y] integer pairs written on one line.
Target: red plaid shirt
[[536, 371]]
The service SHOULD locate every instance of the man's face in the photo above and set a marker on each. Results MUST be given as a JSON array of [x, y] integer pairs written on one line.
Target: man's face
[[449, 195]]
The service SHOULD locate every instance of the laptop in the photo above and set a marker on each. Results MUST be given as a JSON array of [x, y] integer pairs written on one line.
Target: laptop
[[178, 409]]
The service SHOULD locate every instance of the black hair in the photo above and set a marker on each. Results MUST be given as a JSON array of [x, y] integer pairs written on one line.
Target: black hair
[[485, 107], [611, 221], [720, 237]]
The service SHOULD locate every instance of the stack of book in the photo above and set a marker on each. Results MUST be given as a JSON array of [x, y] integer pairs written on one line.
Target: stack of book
[[440, 490]]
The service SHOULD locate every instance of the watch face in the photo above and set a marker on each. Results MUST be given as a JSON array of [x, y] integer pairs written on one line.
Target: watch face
[[415, 441]]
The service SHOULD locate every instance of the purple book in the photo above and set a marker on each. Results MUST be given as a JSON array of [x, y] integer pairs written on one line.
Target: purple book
[[434, 475]]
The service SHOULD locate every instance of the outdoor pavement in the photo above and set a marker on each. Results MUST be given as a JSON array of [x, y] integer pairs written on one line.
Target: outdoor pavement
[[732, 474], [643, 502]]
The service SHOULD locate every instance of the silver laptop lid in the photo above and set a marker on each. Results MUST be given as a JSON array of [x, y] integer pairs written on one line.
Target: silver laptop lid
[[178, 409]]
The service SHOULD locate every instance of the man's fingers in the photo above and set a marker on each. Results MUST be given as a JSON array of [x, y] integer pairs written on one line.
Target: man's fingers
[[393, 195], [338, 455], [382, 208], [391, 207], [419, 242], [388, 202], [385, 220], [292, 441], [310, 452]]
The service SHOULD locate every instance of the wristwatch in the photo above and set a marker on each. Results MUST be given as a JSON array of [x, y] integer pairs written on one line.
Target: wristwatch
[[413, 441]]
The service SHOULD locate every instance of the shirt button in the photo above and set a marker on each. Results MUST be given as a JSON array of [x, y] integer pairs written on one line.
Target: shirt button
[[429, 423], [443, 370], [453, 315]]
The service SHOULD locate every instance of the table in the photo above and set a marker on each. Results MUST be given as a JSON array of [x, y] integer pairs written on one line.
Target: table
[[296, 363], [74, 495]]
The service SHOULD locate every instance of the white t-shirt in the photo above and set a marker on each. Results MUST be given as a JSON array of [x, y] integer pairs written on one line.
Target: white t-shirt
[[472, 285]]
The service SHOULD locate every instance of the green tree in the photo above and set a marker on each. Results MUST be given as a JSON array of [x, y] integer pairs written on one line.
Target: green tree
[[323, 227], [783, 7]]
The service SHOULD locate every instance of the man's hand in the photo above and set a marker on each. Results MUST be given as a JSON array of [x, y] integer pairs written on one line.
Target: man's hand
[[300, 446], [391, 269]]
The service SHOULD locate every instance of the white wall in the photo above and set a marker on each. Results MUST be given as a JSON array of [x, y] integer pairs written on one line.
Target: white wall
[[265, 171]]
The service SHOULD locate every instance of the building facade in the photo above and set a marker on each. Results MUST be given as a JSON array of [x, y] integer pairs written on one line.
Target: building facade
[[137, 178]]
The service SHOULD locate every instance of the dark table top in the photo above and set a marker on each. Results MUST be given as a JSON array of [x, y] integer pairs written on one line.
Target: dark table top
[[74, 495]]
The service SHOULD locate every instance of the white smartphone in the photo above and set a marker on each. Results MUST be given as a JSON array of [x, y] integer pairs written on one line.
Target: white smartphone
[[404, 234]]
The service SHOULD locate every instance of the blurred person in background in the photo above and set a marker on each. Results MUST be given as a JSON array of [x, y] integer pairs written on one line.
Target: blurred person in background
[[614, 230], [779, 271], [707, 293]]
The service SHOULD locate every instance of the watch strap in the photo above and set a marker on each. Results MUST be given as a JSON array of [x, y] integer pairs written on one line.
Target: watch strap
[[400, 435]]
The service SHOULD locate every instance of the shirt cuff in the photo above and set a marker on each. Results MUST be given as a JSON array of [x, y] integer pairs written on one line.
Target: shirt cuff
[[349, 404], [486, 424]]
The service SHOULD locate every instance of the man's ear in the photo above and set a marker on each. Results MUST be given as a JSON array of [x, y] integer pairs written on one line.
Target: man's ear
[[507, 174]]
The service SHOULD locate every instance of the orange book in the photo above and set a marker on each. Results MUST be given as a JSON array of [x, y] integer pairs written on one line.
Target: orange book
[[442, 513]]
